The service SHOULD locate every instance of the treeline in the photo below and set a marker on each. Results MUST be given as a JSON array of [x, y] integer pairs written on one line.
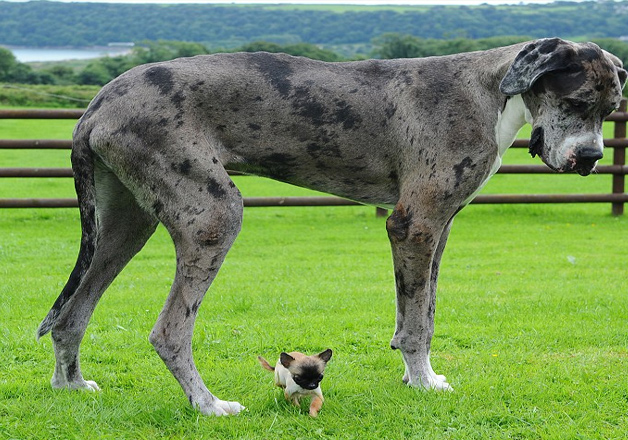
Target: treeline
[[102, 70], [41, 23]]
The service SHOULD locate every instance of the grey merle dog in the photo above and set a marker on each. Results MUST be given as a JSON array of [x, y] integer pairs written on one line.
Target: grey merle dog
[[419, 135]]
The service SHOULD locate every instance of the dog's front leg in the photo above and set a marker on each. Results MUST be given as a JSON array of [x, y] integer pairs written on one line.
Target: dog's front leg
[[417, 241], [316, 405]]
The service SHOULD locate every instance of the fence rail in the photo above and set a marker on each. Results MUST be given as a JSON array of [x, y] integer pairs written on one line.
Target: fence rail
[[617, 197]]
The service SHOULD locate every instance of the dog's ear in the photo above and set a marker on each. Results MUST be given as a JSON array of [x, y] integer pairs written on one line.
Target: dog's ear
[[285, 359], [534, 60], [619, 65], [325, 356], [622, 76]]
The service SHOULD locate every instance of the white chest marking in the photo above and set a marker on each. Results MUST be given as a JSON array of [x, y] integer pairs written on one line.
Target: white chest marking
[[509, 122]]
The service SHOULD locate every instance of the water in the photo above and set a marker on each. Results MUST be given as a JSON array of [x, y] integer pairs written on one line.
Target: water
[[32, 54]]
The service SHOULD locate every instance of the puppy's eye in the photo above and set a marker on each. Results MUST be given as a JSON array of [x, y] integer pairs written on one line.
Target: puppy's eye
[[320, 377], [296, 377]]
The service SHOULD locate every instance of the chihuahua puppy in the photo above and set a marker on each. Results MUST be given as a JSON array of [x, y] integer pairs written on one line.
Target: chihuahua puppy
[[300, 375]]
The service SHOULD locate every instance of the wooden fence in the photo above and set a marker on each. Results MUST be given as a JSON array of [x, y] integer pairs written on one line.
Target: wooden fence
[[617, 197]]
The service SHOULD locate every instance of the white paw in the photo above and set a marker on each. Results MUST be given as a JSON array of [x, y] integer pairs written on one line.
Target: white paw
[[439, 379], [91, 386], [439, 383], [433, 381], [87, 385], [434, 376], [223, 408]]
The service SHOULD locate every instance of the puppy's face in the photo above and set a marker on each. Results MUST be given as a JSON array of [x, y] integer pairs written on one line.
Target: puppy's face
[[306, 371]]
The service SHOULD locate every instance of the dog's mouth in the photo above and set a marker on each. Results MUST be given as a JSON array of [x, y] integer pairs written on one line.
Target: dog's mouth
[[537, 147], [582, 161], [584, 170]]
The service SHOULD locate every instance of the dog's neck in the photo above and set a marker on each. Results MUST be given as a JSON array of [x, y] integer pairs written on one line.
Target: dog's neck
[[514, 115], [510, 119]]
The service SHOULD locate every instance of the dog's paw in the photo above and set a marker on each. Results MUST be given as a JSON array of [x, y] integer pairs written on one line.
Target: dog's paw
[[428, 381], [223, 408], [86, 385], [436, 382], [91, 386]]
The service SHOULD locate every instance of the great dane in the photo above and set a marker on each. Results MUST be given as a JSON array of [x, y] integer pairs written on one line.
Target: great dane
[[419, 135]]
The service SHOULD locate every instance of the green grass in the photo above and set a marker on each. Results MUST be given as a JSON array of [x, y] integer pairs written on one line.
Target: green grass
[[531, 327], [38, 96]]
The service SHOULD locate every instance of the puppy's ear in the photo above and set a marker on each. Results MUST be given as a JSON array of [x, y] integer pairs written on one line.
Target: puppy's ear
[[285, 359], [534, 60], [326, 355]]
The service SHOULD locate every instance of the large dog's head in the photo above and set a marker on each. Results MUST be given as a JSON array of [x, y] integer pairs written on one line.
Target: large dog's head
[[568, 89]]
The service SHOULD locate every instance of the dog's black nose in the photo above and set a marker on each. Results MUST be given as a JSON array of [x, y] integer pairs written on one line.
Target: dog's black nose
[[586, 159], [589, 154]]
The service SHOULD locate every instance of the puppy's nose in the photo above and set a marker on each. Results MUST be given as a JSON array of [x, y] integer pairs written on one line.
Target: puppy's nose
[[589, 154]]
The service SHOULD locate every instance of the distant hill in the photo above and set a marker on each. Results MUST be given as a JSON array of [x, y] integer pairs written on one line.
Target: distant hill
[[41, 23]]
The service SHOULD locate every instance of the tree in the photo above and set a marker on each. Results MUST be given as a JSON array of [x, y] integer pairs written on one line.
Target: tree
[[389, 46], [7, 63], [299, 49], [63, 75], [162, 50], [94, 74]]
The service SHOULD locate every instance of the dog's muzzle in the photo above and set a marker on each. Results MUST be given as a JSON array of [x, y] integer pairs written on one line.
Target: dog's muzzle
[[580, 158], [585, 160]]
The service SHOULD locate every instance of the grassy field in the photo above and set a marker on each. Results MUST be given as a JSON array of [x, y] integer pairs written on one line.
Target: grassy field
[[531, 327]]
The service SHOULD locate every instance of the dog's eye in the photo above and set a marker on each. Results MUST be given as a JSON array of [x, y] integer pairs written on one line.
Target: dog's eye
[[577, 105], [320, 377], [296, 377]]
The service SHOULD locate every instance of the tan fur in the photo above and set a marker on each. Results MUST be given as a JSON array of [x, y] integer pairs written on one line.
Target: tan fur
[[265, 364]]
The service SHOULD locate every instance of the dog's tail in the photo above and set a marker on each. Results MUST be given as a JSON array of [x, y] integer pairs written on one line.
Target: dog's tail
[[83, 168], [265, 364]]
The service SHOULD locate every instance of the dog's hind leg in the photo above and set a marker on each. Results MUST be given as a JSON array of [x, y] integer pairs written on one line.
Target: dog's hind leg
[[122, 228], [203, 214]]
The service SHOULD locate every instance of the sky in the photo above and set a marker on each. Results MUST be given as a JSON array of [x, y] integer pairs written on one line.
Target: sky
[[359, 2]]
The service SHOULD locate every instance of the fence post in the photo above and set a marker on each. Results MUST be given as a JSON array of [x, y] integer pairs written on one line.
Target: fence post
[[619, 158]]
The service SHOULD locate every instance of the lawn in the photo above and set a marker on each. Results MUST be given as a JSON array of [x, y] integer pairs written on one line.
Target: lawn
[[531, 326]]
